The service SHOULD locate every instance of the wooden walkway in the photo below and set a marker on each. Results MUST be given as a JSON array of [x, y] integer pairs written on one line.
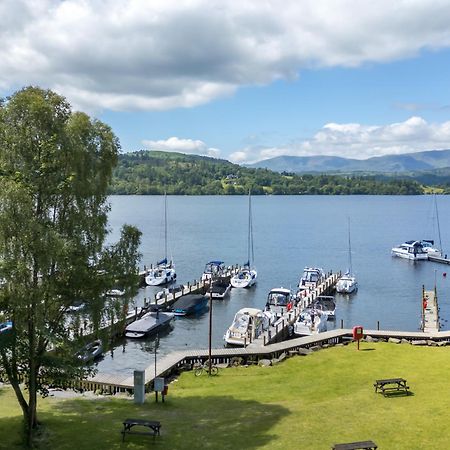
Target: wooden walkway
[[280, 329], [185, 359], [430, 311]]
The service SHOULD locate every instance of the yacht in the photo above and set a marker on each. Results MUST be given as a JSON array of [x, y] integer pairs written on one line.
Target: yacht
[[248, 324], [412, 250], [326, 305], [347, 283], [164, 271], [429, 247], [213, 269], [246, 276], [311, 277], [310, 321], [279, 301]]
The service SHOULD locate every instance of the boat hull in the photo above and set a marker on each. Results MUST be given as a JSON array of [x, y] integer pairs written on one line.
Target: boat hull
[[168, 277], [248, 280]]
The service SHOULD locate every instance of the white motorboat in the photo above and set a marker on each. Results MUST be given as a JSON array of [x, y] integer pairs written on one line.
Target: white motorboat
[[248, 324], [279, 301], [311, 277], [347, 283], [246, 276], [164, 271], [213, 269], [412, 250], [429, 247], [310, 321], [326, 305]]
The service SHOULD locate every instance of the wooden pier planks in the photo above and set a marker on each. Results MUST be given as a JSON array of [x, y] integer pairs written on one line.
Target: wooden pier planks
[[430, 311]]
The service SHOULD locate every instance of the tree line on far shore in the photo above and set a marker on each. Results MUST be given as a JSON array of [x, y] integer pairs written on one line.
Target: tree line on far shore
[[154, 172]]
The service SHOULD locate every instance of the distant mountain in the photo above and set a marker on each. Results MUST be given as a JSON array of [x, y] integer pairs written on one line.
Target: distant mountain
[[407, 162]]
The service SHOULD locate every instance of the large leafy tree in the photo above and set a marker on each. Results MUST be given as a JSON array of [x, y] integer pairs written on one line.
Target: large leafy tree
[[55, 168]]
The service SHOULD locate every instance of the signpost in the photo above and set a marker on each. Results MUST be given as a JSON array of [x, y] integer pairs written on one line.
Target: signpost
[[358, 333]]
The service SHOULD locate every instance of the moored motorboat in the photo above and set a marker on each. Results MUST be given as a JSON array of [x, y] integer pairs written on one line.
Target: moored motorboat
[[326, 305], [189, 304], [412, 250], [148, 324], [219, 288], [213, 269], [311, 277], [248, 324], [279, 301], [310, 321], [90, 351], [429, 247]]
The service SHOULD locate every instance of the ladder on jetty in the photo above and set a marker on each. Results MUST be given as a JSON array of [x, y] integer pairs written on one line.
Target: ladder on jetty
[[430, 311]]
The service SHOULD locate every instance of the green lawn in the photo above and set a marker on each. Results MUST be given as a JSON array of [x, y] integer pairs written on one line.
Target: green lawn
[[305, 402]]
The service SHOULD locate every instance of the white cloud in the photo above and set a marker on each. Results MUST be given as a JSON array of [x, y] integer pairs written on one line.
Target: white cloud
[[353, 140], [190, 146], [137, 54]]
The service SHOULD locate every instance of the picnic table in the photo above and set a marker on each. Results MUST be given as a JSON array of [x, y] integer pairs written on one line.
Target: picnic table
[[366, 445], [128, 425], [390, 385]]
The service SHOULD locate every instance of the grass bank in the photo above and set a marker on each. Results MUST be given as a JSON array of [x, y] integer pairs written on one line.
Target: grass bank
[[306, 402]]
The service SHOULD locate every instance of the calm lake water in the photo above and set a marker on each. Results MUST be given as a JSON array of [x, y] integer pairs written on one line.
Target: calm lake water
[[290, 232]]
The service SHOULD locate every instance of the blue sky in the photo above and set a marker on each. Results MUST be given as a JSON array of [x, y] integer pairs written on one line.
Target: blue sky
[[242, 80]]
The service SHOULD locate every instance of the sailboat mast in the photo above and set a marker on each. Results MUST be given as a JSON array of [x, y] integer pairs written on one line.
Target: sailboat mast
[[438, 226], [165, 225], [349, 249], [250, 254]]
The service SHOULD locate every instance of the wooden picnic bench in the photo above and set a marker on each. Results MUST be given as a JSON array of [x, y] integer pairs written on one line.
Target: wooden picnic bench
[[391, 385], [128, 425], [365, 445]]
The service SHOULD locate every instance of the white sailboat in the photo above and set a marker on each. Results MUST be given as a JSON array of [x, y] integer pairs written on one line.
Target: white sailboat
[[347, 283], [247, 274], [428, 245], [164, 271]]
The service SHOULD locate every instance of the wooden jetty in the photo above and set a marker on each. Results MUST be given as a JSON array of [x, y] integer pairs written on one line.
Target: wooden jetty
[[430, 311], [179, 361], [439, 259], [280, 330]]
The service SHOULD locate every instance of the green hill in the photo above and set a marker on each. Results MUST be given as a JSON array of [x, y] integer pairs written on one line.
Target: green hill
[[153, 172]]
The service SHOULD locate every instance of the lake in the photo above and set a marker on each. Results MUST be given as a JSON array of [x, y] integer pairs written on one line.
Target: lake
[[290, 232]]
